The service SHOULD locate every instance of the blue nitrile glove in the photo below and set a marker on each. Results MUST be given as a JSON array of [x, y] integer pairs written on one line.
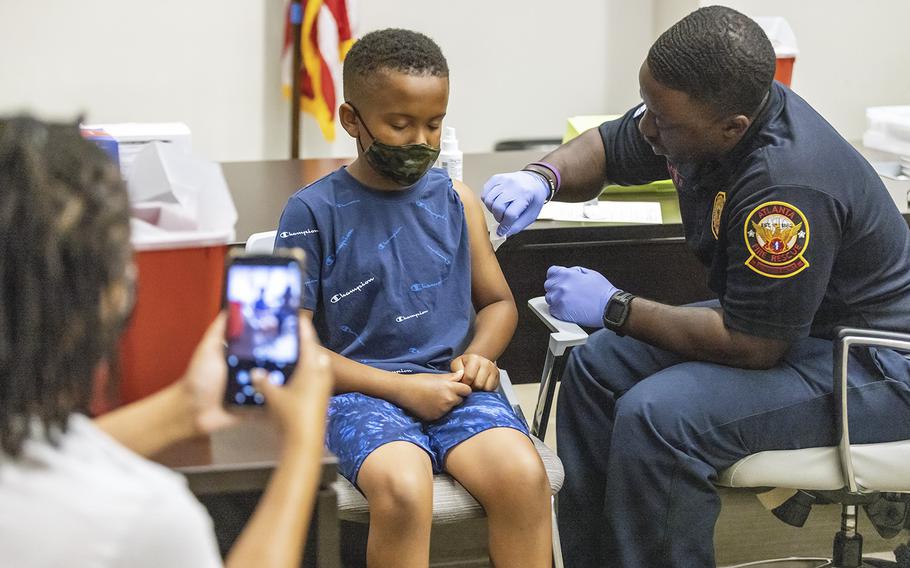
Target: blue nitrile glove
[[578, 295], [515, 200]]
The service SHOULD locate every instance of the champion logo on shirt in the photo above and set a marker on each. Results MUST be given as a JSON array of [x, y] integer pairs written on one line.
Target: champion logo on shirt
[[418, 286], [432, 213], [443, 257], [330, 260], [386, 242], [288, 234], [338, 297], [400, 319], [350, 331]]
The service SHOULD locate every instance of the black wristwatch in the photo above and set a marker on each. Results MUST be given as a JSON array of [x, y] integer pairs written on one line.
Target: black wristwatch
[[617, 311]]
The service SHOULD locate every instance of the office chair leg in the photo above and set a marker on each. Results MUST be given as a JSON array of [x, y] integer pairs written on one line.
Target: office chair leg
[[848, 543], [557, 545]]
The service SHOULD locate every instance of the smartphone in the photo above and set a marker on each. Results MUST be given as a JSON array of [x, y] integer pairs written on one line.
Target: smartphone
[[262, 296]]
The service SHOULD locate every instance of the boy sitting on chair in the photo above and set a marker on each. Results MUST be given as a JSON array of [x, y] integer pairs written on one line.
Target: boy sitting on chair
[[399, 259]]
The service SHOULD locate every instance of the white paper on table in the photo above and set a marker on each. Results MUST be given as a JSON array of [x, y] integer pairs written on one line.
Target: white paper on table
[[644, 212]]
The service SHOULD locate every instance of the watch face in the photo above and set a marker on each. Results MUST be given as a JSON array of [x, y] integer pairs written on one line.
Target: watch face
[[615, 310]]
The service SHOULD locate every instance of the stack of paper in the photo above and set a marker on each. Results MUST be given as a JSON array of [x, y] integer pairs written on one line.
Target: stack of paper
[[643, 212]]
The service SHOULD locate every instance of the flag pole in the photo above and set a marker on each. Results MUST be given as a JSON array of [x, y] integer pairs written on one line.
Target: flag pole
[[296, 63]]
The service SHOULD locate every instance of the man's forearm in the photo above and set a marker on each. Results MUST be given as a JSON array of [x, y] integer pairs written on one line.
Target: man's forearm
[[582, 166], [494, 327], [699, 334], [149, 425]]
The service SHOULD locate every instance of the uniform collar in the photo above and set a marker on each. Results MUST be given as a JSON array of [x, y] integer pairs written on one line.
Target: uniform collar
[[751, 140], [723, 167]]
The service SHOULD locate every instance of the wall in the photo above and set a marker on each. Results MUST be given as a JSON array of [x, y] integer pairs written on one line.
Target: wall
[[519, 68], [202, 62], [853, 55]]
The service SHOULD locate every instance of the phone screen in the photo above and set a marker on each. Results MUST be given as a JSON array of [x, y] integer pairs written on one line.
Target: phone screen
[[262, 296]]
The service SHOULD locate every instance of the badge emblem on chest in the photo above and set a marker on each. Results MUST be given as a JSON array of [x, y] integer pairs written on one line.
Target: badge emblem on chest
[[719, 200], [777, 235]]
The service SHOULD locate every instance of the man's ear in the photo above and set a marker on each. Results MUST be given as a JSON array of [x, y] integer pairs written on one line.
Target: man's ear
[[348, 119], [736, 126]]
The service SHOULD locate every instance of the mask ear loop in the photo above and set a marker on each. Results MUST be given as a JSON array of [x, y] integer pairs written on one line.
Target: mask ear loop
[[363, 122]]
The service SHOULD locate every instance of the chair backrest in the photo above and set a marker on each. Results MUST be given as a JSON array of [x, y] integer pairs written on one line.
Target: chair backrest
[[261, 243]]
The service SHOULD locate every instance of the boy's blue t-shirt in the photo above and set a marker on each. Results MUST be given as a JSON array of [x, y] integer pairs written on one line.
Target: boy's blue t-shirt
[[388, 273]]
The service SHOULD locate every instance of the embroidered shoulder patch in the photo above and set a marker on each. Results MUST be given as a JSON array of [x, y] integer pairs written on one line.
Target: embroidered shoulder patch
[[719, 200], [777, 235]]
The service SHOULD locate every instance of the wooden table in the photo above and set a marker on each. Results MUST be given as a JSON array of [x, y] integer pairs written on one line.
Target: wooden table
[[241, 459]]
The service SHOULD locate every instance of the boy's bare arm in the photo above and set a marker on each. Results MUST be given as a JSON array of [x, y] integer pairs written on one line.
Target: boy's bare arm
[[351, 376], [497, 316]]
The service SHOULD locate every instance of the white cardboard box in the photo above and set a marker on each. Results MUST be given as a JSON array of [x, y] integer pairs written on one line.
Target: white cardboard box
[[132, 137]]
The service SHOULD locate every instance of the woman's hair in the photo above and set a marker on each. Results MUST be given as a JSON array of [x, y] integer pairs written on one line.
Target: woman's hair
[[64, 260], [718, 56]]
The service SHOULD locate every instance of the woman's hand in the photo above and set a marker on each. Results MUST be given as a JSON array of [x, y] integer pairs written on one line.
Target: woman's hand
[[300, 407], [205, 379]]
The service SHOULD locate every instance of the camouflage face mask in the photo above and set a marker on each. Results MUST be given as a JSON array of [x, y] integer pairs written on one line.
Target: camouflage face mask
[[404, 165]]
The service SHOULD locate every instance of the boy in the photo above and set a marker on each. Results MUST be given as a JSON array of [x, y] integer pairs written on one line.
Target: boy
[[398, 260]]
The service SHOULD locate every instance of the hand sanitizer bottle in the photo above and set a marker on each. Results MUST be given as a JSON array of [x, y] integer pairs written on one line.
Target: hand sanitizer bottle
[[450, 157]]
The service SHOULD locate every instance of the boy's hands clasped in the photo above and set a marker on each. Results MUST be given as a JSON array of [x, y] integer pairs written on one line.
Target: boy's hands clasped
[[480, 373], [430, 396]]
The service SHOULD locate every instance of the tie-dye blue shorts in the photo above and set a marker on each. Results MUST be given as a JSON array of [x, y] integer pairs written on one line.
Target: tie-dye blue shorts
[[358, 424]]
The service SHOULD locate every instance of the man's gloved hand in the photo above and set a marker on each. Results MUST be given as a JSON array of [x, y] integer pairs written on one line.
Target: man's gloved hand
[[578, 295], [515, 200]]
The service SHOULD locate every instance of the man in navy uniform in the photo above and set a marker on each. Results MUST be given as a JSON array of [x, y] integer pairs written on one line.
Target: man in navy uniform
[[799, 236]]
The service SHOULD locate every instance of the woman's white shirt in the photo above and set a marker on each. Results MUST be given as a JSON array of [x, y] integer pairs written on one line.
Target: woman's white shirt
[[89, 502]]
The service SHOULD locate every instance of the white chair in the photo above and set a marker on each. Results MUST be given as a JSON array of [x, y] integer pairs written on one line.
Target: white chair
[[451, 501], [261, 243], [852, 475]]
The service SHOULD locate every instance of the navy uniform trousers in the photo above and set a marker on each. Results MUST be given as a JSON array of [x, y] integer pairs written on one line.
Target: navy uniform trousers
[[642, 433]]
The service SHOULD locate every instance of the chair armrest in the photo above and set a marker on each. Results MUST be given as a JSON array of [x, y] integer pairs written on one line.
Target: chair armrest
[[844, 340], [563, 337], [507, 390], [563, 334]]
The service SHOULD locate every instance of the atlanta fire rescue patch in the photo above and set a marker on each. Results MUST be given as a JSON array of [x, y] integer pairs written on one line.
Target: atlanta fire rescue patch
[[719, 200], [777, 235]]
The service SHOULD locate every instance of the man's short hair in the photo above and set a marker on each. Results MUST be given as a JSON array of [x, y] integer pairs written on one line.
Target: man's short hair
[[717, 56], [391, 49]]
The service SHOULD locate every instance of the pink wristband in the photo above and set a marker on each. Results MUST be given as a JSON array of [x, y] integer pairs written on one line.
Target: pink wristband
[[553, 169]]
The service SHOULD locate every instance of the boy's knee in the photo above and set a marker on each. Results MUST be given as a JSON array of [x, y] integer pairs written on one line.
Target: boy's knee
[[518, 479], [401, 493]]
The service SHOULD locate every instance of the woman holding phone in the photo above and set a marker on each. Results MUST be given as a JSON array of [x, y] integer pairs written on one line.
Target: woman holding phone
[[66, 289]]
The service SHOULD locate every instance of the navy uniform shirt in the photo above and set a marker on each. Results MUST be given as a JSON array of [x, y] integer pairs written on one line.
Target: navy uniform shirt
[[797, 230], [388, 273]]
